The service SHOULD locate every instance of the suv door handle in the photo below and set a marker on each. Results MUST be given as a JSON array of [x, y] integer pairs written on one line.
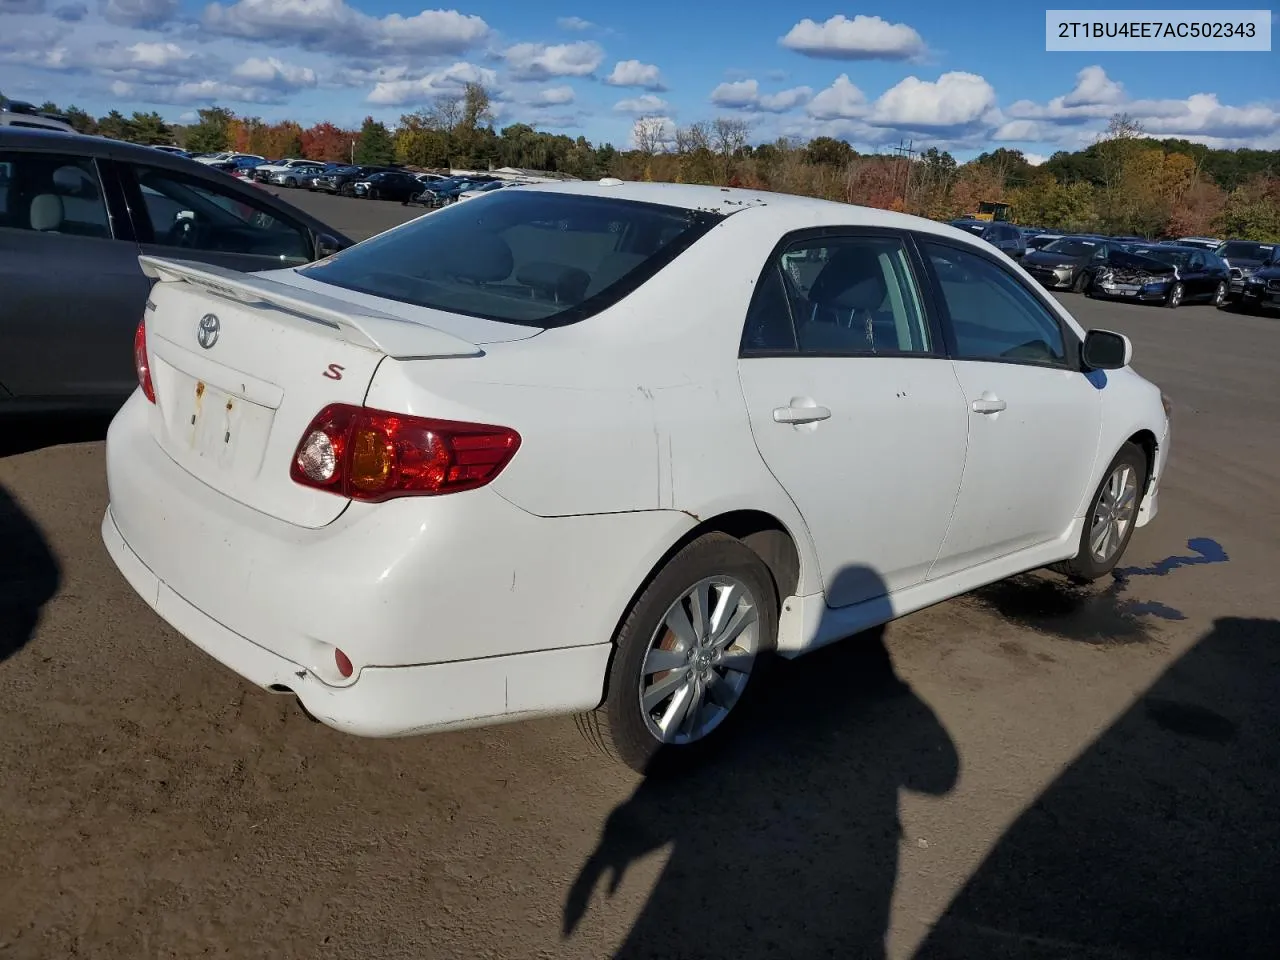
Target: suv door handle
[[800, 414], [988, 405]]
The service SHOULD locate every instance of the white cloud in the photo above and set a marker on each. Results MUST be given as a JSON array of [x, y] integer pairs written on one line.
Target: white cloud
[[1096, 97], [537, 61], [139, 13], [574, 23], [841, 100], [1035, 159], [554, 96], [1027, 130], [194, 91], [333, 26], [862, 38], [1093, 86], [644, 104], [955, 100], [746, 95], [452, 79], [1202, 114], [274, 73], [633, 73]]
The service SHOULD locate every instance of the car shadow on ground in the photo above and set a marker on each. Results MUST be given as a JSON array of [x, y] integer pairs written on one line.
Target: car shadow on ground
[[1161, 840], [23, 434], [29, 575], [787, 844]]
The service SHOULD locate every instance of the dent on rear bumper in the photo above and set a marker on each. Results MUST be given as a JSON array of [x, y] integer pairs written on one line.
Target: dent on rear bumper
[[386, 701]]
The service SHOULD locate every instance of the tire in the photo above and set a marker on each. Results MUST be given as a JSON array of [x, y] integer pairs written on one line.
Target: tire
[[1220, 296], [1081, 282], [291, 183], [620, 727], [1086, 565], [1174, 299]]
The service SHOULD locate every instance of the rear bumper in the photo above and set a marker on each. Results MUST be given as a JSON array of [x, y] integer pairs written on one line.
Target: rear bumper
[[385, 701], [454, 610]]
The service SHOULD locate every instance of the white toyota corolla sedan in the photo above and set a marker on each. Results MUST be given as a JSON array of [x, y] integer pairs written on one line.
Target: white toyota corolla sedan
[[604, 449]]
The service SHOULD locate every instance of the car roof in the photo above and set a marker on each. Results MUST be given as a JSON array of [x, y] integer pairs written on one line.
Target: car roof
[[85, 145], [789, 211]]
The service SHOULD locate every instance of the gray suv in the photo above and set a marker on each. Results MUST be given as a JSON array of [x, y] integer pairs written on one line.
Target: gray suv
[[75, 213], [1003, 236]]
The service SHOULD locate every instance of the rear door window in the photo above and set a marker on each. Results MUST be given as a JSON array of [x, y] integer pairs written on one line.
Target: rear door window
[[52, 193]]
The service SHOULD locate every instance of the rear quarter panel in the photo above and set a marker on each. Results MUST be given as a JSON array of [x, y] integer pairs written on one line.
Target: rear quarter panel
[[636, 408]]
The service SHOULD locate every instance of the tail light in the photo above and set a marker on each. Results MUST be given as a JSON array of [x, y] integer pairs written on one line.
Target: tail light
[[372, 455], [141, 363]]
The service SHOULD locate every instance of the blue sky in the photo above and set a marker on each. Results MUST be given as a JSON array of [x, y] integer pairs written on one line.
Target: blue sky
[[963, 77]]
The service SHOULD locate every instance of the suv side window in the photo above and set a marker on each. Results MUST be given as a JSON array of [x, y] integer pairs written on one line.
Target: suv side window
[[844, 296], [52, 193], [991, 315], [189, 212]]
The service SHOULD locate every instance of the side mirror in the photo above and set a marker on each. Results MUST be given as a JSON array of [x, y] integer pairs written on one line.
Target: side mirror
[[1104, 350], [327, 245]]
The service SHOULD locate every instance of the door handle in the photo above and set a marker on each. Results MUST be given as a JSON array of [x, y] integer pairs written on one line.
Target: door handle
[[988, 405], [800, 414]]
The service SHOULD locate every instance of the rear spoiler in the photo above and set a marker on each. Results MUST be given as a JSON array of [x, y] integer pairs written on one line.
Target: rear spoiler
[[361, 326]]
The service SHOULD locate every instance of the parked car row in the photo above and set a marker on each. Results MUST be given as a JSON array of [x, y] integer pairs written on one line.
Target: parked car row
[[1169, 272]]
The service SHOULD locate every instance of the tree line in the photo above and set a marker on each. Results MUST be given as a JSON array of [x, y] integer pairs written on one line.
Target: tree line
[[1124, 183]]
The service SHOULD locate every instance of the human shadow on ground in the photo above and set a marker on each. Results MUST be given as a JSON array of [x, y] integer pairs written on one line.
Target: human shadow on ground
[[1161, 840], [787, 844], [29, 575]]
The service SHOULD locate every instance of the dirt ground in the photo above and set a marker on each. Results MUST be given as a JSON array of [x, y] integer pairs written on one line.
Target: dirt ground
[[1034, 770]]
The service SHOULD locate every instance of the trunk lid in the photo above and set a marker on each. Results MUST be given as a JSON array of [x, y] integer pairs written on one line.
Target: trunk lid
[[234, 394]]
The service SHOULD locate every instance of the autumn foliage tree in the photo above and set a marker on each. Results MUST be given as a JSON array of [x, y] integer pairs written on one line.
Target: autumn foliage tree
[[327, 142]]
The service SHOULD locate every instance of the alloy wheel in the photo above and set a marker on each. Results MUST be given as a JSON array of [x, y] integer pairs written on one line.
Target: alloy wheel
[[1116, 510], [699, 660], [1220, 295]]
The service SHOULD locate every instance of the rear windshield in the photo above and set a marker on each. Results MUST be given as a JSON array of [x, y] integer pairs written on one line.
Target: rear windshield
[[1175, 258], [522, 256], [1245, 250], [1069, 246]]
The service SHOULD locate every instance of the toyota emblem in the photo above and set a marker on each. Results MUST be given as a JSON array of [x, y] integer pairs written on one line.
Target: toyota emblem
[[207, 332]]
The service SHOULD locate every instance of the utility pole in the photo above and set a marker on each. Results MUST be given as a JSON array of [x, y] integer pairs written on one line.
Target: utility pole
[[906, 151]]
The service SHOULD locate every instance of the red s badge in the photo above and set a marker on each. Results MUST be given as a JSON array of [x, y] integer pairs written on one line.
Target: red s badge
[[335, 371]]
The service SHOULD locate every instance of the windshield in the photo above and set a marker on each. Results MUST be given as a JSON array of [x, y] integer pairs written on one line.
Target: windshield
[[531, 257], [969, 225], [1173, 257], [1070, 247], [1245, 250]]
